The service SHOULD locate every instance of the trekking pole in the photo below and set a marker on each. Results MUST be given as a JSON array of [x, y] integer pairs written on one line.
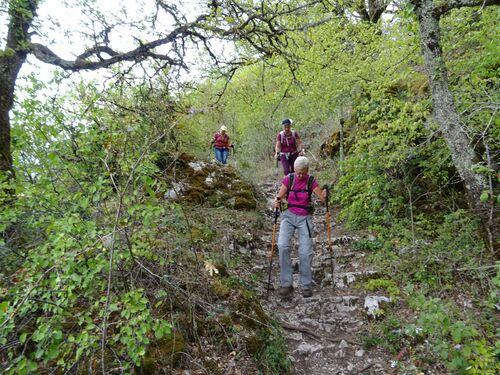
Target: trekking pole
[[328, 226], [271, 256]]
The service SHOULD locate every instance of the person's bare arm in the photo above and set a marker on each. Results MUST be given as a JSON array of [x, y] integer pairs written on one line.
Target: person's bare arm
[[277, 149], [321, 193], [300, 146], [280, 196]]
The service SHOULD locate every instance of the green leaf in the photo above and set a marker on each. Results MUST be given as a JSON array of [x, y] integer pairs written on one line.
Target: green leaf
[[79, 352], [467, 350], [31, 366], [484, 196], [53, 352], [22, 338], [52, 156], [39, 353], [57, 335]]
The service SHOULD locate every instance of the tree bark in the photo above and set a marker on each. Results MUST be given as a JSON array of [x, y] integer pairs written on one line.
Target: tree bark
[[11, 60], [445, 113], [6, 102]]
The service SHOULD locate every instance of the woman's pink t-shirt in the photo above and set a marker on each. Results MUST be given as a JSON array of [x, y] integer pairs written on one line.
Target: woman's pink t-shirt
[[289, 143], [300, 198]]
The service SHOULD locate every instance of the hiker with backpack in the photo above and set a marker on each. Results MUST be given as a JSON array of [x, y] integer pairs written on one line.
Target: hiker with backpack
[[297, 188], [288, 146], [221, 143]]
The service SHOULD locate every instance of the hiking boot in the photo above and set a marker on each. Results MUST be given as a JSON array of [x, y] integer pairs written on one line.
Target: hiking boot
[[307, 292], [285, 291]]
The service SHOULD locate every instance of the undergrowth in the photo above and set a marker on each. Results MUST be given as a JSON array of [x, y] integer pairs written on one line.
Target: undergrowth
[[273, 353], [445, 316]]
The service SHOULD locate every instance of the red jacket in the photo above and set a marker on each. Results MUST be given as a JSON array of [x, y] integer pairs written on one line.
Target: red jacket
[[221, 140]]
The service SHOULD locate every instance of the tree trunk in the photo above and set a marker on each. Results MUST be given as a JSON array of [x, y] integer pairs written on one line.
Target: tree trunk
[[9, 68], [11, 61], [445, 113]]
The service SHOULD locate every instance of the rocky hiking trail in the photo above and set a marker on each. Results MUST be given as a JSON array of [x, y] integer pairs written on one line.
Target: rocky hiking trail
[[324, 333]]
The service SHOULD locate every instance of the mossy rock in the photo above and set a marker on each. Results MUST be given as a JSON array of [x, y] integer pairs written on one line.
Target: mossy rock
[[164, 353], [207, 183], [219, 289], [249, 313], [331, 147]]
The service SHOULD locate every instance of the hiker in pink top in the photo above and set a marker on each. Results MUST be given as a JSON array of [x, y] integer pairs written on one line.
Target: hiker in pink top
[[298, 217], [288, 146]]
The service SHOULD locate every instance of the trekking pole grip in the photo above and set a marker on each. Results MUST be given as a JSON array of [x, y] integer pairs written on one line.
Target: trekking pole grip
[[277, 211]]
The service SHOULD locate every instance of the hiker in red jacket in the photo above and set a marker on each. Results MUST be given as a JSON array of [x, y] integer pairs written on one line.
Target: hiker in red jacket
[[221, 144], [288, 146]]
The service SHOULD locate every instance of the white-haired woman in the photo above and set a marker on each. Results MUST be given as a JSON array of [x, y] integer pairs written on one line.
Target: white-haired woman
[[297, 188]]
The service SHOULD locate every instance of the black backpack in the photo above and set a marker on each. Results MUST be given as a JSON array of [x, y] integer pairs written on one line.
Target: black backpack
[[291, 179]]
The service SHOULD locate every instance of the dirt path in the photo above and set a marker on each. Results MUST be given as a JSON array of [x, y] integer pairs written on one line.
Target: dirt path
[[324, 332]]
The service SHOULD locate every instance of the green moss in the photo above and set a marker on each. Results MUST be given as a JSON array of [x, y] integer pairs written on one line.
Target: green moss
[[254, 344], [226, 320], [244, 203], [8, 52], [220, 290], [249, 313], [208, 184], [164, 353], [383, 284], [202, 233]]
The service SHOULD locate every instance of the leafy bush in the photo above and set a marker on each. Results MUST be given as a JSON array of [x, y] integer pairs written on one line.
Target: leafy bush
[[385, 334], [77, 234], [272, 355], [457, 246], [456, 342]]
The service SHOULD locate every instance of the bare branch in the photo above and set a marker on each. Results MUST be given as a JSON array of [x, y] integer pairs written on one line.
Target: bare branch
[[446, 6], [260, 26], [96, 51]]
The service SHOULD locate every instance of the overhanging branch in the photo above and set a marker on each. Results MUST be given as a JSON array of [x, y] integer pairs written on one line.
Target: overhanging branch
[[446, 6]]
